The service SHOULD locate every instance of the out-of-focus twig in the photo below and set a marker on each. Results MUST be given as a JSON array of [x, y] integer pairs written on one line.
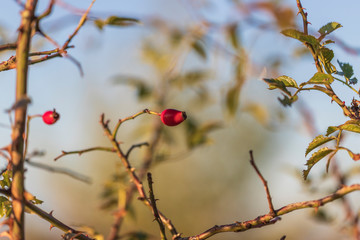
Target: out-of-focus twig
[[60, 170], [11, 62], [81, 23], [105, 149], [8, 46]]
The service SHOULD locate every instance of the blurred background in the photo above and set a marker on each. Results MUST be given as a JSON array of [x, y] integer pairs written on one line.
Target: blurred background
[[203, 57]]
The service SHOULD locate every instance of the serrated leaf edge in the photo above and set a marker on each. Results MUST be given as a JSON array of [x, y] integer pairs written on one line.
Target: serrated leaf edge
[[318, 141], [309, 163]]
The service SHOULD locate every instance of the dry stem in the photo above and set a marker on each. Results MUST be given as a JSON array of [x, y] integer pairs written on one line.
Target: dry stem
[[271, 207]]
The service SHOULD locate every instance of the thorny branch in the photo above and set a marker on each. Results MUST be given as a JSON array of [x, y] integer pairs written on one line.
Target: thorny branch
[[47, 216], [11, 62], [268, 219], [133, 176], [121, 212], [154, 207], [81, 23]]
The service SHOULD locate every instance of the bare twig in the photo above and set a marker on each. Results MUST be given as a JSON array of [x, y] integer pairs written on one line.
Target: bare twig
[[27, 130], [154, 207], [81, 23], [105, 149], [116, 129], [48, 10], [46, 13], [60, 170], [268, 219], [271, 206], [11, 62], [8, 46], [304, 16], [135, 146]]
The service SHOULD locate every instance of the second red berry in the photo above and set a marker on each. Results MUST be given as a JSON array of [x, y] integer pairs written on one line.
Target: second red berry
[[172, 117]]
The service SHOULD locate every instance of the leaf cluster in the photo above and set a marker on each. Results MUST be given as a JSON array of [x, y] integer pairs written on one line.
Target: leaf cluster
[[321, 80]]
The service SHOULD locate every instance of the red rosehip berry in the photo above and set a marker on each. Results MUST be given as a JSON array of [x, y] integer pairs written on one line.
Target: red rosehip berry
[[172, 117], [50, 117]]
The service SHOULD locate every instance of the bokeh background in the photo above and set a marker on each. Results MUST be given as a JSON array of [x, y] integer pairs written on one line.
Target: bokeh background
[[200, 186]]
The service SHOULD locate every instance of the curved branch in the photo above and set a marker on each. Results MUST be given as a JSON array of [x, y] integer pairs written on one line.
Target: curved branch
[[268, 219], [105, 149]]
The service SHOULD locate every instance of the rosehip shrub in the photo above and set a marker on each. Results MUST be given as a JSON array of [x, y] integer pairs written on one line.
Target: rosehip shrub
[[50, 117], [172, 117]]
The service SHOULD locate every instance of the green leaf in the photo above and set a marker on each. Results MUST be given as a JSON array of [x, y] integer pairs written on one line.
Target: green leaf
[[5, 182], [353, 81], [316, 157], [286, 101], [191, 77], [318, 141], [233, 35], [331, 130], [121, 21], [258, 111], [197, 135], [329, 27], [5, 206], [115, 21], [232, 99], [351, 126], [302, 37], [199, 47], [99, 23], [36, 201], [288, 81], [321, 78], [325, 56], [281, 83], [328, 42], [347, 71]]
